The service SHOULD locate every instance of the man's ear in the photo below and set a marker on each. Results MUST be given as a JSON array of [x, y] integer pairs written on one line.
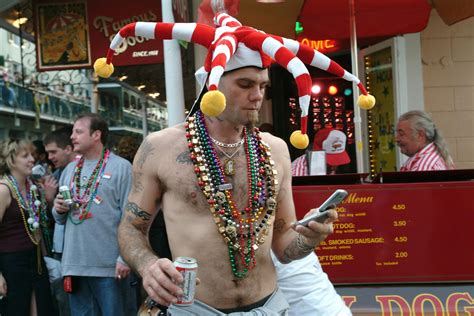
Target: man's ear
[[97, 135], [68, 149], [422, 135]]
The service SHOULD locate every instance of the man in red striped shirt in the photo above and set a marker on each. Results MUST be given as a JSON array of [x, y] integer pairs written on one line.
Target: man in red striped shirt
[[419, 139]]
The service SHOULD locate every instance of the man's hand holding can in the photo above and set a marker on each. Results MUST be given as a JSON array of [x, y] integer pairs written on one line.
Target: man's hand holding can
[[60, 204]]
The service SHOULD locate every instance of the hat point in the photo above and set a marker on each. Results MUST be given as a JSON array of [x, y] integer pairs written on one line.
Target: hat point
[[366, 102], [299, 140], [213, 103], [102, 69]]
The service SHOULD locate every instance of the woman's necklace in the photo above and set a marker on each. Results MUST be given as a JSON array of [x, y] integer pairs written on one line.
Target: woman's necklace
[[84, 201], [34, 204], [243, 230]]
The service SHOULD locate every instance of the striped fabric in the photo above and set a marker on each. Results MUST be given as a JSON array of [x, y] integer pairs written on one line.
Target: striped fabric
[[426, 159], [299, 167]]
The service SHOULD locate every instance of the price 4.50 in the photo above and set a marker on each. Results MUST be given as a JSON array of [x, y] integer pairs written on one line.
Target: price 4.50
[[398, 207], [401, 239]]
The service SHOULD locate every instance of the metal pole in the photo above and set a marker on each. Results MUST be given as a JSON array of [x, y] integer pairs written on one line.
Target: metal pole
[[145, 119], [355, 71], [173, 72], [20, 32]]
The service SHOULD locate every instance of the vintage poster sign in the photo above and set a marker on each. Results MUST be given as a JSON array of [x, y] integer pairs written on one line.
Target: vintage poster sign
[[62, 36]]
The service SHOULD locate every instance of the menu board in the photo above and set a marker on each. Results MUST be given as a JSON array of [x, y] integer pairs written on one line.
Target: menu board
[[397, 233]]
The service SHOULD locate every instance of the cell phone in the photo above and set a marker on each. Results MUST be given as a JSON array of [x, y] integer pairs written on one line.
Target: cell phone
[[320, 216]]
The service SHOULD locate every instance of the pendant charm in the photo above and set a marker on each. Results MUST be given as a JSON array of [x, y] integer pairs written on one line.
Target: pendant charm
[[229, 167], [225, 186]]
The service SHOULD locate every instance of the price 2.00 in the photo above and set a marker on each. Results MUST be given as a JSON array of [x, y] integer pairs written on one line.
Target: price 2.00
[[401, 254]]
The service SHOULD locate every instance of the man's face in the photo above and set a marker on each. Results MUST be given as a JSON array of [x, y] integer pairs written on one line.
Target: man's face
[[409, 141], [244, 90], [60, 157], [82, 138]]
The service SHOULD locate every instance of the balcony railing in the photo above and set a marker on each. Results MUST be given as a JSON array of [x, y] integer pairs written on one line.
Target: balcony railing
[[62, 107]]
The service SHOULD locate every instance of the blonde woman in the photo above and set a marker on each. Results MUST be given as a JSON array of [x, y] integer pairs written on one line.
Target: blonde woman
[[24, 234]]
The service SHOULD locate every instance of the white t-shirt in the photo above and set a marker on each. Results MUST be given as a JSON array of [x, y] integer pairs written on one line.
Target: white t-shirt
[[307, 288]]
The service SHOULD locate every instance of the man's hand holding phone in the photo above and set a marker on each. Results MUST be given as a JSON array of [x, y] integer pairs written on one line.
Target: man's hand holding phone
[[317, 224]]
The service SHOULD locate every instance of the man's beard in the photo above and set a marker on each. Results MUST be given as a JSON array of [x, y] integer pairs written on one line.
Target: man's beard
[[252, 119]]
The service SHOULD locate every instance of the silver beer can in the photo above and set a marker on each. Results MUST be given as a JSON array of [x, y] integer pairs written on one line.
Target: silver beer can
[[188, 269], [66, 193]]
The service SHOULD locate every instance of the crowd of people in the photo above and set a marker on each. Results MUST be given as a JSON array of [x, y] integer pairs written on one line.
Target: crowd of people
[[108, 226]]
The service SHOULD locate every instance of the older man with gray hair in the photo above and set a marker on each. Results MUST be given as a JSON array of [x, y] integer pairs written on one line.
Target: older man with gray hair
[[419, 139]]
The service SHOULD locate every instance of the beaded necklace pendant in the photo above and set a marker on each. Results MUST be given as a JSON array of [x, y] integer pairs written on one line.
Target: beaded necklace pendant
[[89, 186], [242, 230], [33, 211]]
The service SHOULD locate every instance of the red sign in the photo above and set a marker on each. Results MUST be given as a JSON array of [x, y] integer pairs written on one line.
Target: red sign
[[326, 46], [407, 300], [107, 18], [397, 233]]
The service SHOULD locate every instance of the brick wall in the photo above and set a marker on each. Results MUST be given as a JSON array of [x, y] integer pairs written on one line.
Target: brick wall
[[448, 74]]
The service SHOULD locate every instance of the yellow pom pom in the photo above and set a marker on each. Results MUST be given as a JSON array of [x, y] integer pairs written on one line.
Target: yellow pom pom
[[298, 140], [366, 102], [102, 69], [213, 103]]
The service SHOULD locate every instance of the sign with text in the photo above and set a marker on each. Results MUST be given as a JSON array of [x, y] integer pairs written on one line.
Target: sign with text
[[406, 300], [105, 20], [325, 46], [400, 233]]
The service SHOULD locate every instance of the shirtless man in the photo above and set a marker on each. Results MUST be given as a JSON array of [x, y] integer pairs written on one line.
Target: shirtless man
[[164, 174]]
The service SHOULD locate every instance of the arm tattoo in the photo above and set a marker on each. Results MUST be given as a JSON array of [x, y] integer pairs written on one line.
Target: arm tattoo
[[297, 249], [137, 183], [138, 212], [146, 149], [279, 225], [184, 158]]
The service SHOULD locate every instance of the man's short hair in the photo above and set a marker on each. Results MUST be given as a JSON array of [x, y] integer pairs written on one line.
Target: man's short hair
[[62, 137], [97, 123]]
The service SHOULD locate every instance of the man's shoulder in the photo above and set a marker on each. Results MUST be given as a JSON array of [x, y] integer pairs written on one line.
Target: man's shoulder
[[117, 160], [166, 136], [275, 143]]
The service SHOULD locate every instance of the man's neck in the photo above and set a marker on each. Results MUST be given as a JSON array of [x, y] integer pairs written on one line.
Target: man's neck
[[94, 152], [224, 131]]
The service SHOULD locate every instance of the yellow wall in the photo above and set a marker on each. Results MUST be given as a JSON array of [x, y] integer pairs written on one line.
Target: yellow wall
[[448, 74]]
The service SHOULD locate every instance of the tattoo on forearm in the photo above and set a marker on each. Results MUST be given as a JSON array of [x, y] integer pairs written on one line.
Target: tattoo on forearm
[[137, 183], [146, 149], [133, 242], [279, 225], [184, 158], [297, 249], [137, 211]]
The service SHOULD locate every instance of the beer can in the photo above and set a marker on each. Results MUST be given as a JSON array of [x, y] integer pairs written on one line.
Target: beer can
[[188, 269], [64, 190]]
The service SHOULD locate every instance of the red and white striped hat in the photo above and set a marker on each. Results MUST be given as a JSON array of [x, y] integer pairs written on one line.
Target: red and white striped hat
[[232, 45]]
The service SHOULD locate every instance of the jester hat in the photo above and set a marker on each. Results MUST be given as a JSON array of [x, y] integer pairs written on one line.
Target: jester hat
[[231, 46]]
